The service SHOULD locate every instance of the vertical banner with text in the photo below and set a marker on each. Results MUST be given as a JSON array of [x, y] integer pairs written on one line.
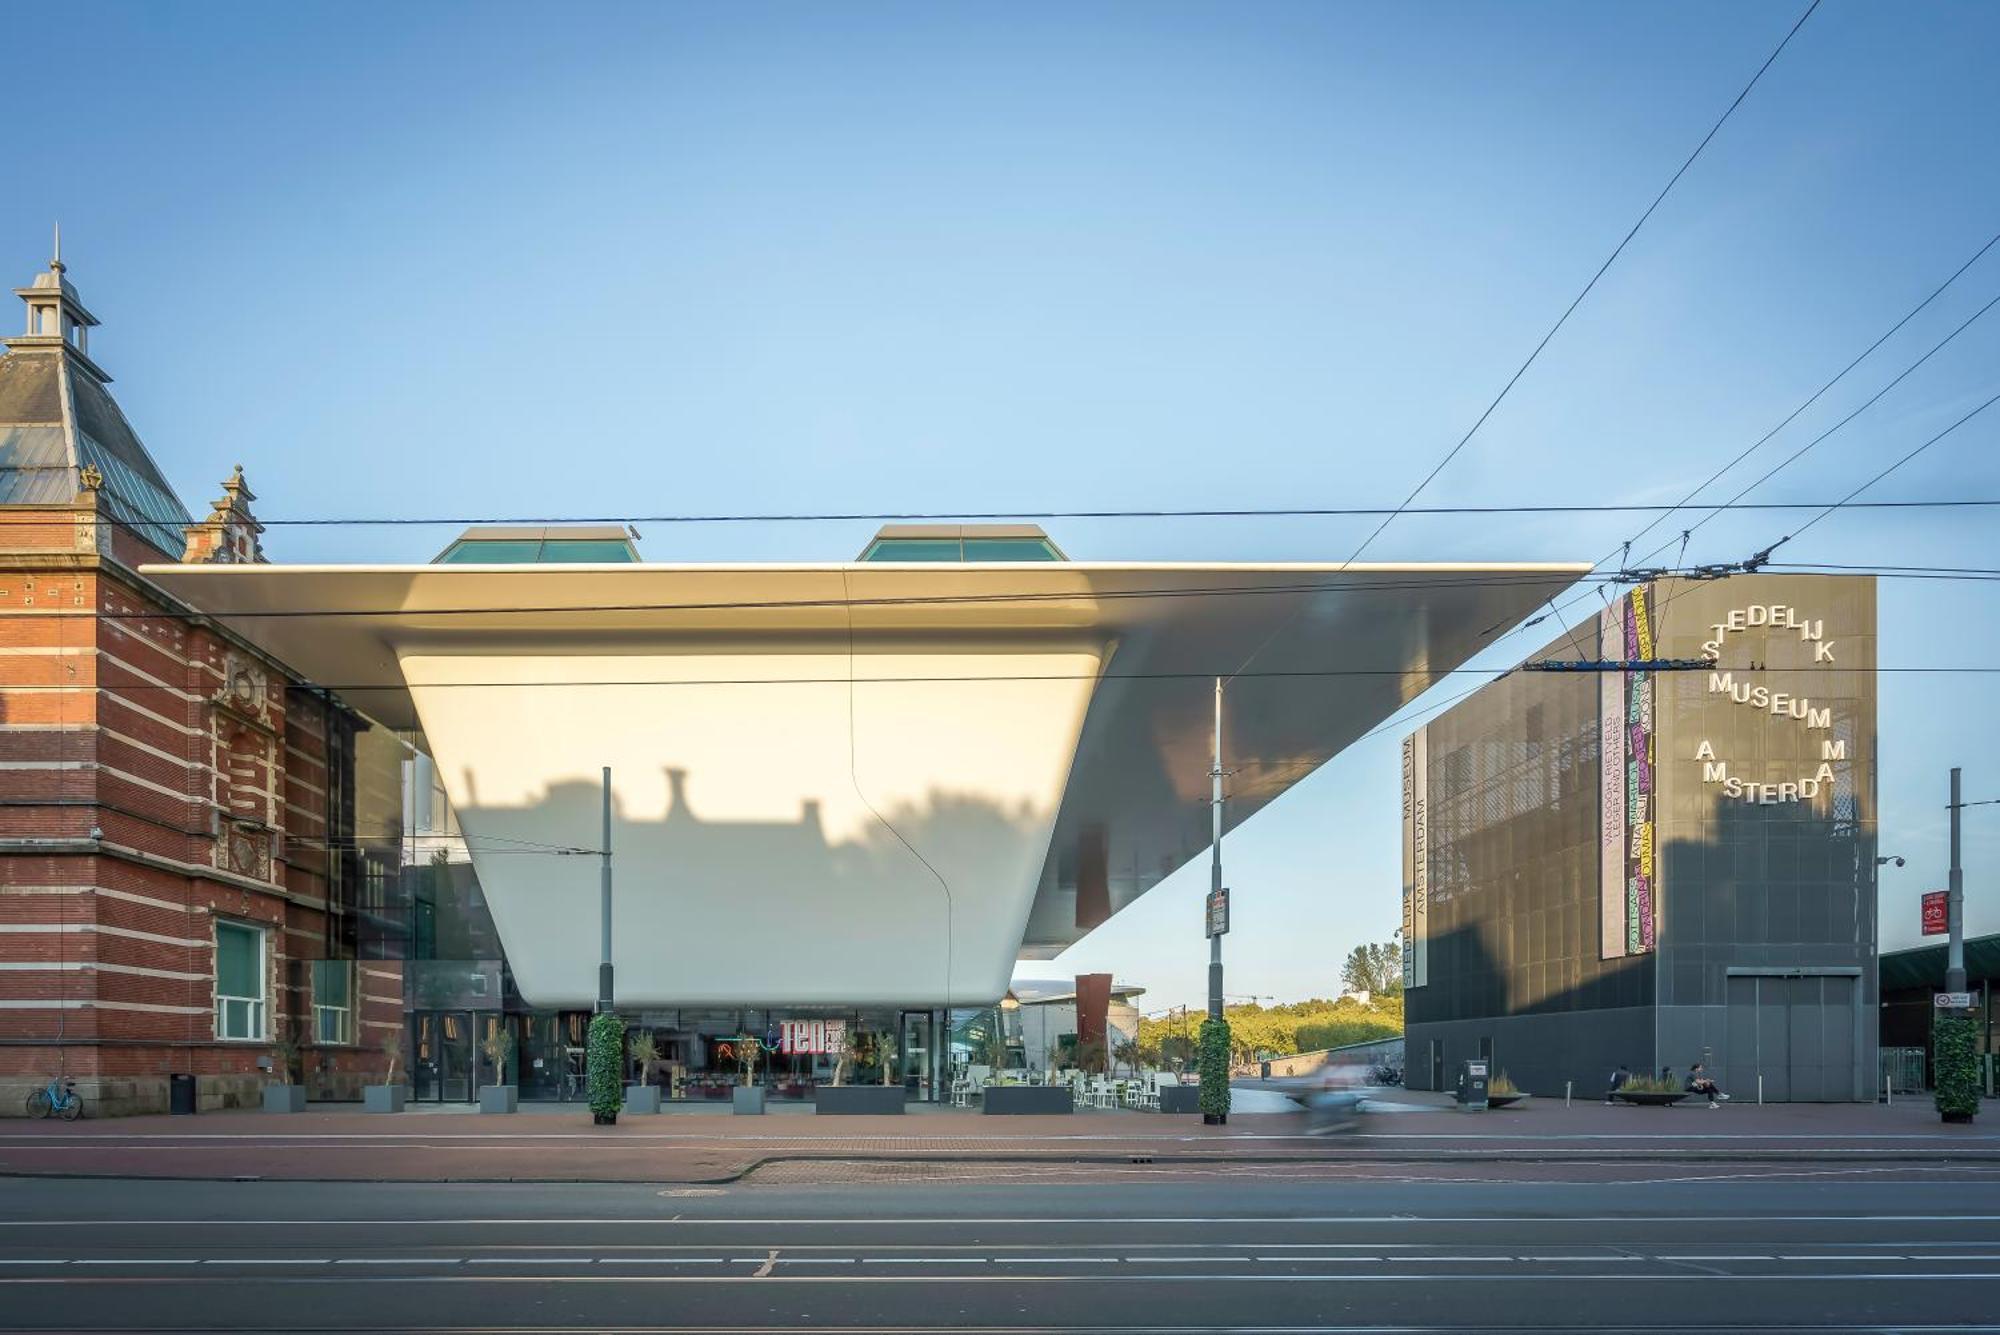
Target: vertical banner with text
[[1416, 861]]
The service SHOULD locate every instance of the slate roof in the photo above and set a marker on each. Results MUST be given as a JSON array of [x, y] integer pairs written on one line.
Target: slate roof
[[56, 417]]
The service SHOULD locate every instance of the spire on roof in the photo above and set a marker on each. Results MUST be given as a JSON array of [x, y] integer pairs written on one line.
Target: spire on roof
[[56, 315]]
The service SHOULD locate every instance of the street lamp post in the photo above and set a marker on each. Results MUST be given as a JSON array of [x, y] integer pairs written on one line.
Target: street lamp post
[[1215, 863], [604, 905], [1954, 960]]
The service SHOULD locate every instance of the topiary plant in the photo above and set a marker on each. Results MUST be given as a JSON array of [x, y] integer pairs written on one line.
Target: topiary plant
[[1215, 1071], [603, 1065], [1953, 1047]]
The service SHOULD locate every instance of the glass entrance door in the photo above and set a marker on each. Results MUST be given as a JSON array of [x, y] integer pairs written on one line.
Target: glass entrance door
[[916, 1048], [441, 1071]]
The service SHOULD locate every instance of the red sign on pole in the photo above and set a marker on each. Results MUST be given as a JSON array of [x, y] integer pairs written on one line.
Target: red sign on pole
[[1937, 913]]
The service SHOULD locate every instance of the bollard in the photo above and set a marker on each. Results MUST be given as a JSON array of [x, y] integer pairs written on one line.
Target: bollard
[[1566, 1090], [1760, 1089]]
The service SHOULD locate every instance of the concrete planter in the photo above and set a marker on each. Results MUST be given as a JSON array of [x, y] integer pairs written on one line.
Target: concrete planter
[[500, 1099], [384, 1098], [642, 1098], [284, 1098], [1649, 1100], [1180, 1098], [1026, 1100], [748, 1100], [858, 1100], [1503, 1100]]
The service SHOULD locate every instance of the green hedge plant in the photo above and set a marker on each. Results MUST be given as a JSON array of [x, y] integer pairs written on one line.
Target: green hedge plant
[[604, 1067], [1214, 1070], [1954, 1047]]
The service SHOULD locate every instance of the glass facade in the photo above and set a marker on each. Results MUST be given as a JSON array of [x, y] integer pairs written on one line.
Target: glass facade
[[533, 551], [961, 549]]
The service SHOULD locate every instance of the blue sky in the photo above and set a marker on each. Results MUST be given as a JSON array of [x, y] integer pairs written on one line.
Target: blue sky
[[511, 260]]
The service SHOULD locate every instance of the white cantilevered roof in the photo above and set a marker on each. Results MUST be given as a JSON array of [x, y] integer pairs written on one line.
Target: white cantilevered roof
[[1329, 651]]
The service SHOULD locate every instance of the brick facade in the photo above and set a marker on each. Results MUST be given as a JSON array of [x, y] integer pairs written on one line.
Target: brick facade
[[158, 775]]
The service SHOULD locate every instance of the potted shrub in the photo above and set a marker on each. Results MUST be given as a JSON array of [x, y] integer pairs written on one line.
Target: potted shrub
[[499, 1097], [748, 1098], [1650, 1091], [1502, 1092], [284, 1096], [643, 1097], [603, 1055], [389, 1096], [837, 1099], [885, 1056]]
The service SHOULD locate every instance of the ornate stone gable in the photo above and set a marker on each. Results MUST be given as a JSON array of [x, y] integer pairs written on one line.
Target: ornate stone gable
[[229, 535]]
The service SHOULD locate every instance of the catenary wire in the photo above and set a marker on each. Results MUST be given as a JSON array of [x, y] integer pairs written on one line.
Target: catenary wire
[[943, 516], [1672, 181]]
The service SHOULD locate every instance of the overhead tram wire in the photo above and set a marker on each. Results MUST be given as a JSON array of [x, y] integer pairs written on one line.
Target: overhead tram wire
[[1885, 472], [1500, 579], [973, 516], [1736, 502], [1561, 320], [1815, 397], [975, 678]]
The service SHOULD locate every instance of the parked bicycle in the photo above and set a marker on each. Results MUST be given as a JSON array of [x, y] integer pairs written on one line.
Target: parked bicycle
[[59, 1099]]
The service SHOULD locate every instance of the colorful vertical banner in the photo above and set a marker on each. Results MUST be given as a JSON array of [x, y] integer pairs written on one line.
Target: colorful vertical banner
[[1416, 860], [1611, 809], [1639, 795], [1628, 870]]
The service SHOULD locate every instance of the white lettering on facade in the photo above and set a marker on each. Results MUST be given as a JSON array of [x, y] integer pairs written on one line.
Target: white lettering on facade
[[1779, 704]]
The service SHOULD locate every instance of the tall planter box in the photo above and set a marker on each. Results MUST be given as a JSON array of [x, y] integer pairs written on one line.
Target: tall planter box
[[284, 1098], [859, 1100], [1180, 1098], [500, 1099], [747, 1100], [1026, 1100], [384, 1098], [642, 1098]]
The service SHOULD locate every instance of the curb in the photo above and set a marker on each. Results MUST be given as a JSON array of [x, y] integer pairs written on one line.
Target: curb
[[1086, 1158]]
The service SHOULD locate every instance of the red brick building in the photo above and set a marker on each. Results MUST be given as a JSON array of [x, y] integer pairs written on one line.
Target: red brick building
[[178, 865]]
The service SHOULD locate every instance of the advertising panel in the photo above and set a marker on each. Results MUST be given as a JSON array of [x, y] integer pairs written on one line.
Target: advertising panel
[[1937, 913], [1416, 860], [1611, 787], [1628, 869]]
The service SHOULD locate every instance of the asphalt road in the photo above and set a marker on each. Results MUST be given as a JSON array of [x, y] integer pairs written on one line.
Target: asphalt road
[[1723, 1248]]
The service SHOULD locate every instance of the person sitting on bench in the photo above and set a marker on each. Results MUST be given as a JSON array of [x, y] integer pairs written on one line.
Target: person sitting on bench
[[1700, 1083]]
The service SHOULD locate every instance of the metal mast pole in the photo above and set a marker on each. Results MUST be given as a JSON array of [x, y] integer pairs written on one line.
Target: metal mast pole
[[1954, 959], [1215, 860], [604, 904]]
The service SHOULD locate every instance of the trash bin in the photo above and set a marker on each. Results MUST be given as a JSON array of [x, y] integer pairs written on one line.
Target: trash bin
[[180, 1095]]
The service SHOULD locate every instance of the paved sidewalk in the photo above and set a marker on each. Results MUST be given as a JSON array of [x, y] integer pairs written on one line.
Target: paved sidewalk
[[337, 1142]]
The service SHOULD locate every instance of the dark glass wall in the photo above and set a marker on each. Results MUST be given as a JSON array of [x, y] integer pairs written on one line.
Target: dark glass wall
[[1512, 942], [1769, 884], [1766, 914]]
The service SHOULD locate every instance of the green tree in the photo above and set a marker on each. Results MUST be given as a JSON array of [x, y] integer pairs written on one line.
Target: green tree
[[1376, 969]]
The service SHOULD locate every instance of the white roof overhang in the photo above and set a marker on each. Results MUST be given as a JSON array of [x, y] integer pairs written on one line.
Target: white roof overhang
[[1326, 652]]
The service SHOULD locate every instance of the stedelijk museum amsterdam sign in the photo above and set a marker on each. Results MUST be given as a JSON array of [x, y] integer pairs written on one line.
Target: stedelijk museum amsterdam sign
[[1746, 650]]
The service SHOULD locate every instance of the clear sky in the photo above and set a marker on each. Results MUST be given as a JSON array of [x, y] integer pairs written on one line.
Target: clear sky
[[509, 260]]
